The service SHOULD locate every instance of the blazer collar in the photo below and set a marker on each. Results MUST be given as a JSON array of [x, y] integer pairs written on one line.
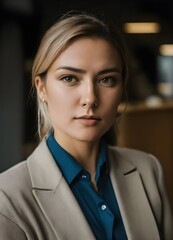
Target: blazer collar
[[41, 160]]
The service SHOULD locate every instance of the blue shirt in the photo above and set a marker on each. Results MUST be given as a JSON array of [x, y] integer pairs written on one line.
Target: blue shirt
[[100, 208]]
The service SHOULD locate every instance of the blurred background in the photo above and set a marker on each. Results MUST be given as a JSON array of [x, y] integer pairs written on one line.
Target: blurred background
[[147, 26]]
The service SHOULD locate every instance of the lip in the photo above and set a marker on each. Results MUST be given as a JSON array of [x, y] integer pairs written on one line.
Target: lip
[[88, 120]]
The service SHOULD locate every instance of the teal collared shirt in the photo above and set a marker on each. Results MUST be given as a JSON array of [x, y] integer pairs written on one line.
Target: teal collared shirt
[[100, 208]]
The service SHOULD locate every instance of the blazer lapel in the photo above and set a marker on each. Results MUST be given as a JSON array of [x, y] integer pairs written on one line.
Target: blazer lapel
[[136, 212], [55, 197]]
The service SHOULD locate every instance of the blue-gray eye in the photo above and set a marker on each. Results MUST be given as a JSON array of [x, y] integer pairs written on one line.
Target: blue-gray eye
[[69, 79], [108, 81]]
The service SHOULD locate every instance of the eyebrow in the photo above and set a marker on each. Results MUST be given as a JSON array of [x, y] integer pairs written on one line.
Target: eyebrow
[[108, 70], [78, 70]]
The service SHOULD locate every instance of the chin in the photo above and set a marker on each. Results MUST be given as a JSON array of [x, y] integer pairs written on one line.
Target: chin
[[90, 138]]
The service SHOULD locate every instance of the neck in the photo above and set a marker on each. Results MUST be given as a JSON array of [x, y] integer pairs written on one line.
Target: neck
[[85, 153], [88, 156]]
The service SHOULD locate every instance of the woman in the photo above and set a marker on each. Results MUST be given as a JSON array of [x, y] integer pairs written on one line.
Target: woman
[[74, 186]]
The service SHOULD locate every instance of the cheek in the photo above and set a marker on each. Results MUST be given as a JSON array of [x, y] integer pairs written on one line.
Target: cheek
[[60, 101], [54, 101], [112, 100]]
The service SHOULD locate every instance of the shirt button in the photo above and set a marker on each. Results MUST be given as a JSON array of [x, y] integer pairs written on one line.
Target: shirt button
[[103, 207]]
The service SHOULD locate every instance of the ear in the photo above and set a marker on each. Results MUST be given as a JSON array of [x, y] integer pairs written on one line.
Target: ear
[[41, 89]]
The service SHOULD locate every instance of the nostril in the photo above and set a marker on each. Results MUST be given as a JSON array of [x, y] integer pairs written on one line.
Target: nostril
[[95, 105], [90, 105]]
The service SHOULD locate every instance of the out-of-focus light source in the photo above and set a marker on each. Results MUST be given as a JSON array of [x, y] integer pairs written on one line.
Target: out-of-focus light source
[[166, 49], [142, 27]]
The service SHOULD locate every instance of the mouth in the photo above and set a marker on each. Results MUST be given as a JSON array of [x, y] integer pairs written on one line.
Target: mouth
[[89, 117], [88, 120]]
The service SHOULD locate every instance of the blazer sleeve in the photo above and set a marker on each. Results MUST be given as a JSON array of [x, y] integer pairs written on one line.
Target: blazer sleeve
[[10, 230], [167, 219]]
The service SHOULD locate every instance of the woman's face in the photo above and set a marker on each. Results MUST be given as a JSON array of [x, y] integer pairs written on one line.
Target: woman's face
[[83, 88]]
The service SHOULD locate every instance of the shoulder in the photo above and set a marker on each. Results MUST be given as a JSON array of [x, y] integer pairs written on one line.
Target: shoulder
[[16, 186], [14, 183], [15, 176], [133, 156], [142, 161], [15, 190], [18, 177]]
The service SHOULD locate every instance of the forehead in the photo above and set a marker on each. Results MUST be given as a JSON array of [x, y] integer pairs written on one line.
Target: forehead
[[93, 50]]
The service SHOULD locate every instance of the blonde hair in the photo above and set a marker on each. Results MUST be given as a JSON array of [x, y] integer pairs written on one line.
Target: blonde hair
[[70, 27]]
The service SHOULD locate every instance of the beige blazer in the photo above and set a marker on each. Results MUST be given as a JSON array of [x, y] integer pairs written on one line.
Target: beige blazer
[[36, 203]]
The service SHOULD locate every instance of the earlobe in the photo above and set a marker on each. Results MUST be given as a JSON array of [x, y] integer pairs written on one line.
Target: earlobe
[[40, 86]]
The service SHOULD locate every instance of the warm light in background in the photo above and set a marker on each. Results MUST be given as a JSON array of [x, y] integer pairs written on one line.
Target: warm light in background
[[141, 27], [166, 49]]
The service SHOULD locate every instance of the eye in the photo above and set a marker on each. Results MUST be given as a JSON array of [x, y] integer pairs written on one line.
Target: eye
[[69, 79], [108, 81]]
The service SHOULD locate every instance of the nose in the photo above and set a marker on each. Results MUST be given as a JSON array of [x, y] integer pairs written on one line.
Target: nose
[[89, 97]]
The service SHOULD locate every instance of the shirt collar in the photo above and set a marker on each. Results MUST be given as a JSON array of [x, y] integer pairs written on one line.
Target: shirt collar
[[69, 166]]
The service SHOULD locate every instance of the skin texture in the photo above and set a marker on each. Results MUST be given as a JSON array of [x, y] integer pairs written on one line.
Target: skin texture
[[83, 89]]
